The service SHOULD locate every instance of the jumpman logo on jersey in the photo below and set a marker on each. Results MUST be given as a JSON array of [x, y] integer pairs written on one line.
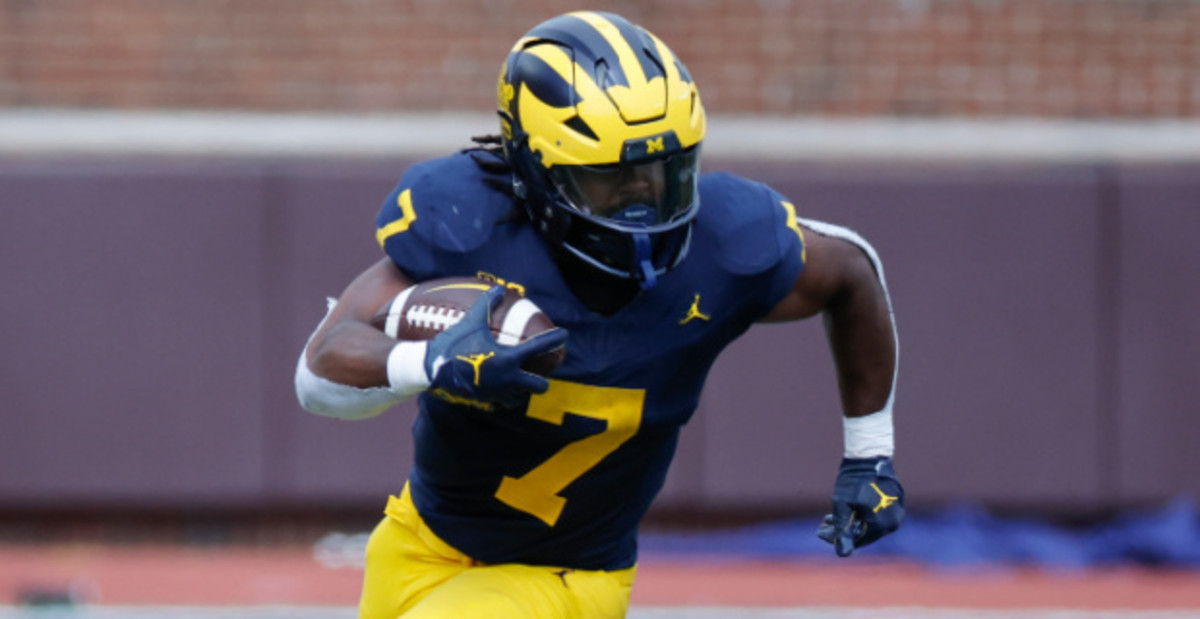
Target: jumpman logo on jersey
[[885, 501], [694, 312], [476, 361]]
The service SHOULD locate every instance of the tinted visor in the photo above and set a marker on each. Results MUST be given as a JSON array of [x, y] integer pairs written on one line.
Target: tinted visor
[[632, 196]]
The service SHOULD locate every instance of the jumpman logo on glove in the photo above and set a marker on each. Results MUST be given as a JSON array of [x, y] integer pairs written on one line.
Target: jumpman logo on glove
[[476, 360], [863, 510], [885, 501]]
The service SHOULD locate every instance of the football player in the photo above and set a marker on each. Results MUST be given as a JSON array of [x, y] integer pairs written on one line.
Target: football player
[[526, 490]]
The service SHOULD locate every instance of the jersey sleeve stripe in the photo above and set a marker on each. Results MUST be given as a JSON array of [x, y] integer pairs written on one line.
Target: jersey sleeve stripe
[[795, 226]]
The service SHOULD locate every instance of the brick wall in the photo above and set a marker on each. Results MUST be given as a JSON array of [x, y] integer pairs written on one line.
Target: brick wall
[[1058, 58]]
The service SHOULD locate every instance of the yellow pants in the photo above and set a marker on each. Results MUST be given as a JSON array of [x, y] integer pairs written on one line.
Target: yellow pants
[[411, 573]]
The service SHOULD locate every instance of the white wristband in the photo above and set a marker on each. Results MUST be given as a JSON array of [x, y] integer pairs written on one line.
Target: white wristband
[[406, 368], [869, 436]]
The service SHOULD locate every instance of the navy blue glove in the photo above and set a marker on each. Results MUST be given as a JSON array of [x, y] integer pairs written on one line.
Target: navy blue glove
[[466, 361], [868, 503]]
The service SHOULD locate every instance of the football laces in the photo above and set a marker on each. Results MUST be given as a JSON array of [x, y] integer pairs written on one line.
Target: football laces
[[433, 317]]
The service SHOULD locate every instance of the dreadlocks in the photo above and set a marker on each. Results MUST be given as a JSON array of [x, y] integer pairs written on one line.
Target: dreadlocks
[[488, 154]]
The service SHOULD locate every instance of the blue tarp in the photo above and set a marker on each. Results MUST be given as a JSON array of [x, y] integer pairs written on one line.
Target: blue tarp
[[1168, 537]]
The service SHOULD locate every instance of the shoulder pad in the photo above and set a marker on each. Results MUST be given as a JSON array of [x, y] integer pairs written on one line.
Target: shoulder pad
[[440, 206], [754, 226]]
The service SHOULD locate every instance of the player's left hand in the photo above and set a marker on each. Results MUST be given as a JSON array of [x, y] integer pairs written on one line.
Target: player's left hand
[[868, 503], [467, 361]]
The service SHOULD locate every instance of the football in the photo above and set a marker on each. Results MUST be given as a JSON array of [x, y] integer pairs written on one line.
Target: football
[[423, 310]]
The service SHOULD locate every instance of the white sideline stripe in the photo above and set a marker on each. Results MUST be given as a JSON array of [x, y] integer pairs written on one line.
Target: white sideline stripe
[[514, 322], [636, 612], [51, 131]]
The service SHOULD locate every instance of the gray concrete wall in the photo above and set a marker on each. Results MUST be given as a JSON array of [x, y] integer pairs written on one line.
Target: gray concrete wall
[[151, 311]]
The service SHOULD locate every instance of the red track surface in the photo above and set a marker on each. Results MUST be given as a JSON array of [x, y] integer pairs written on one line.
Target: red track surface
[[188, 576]]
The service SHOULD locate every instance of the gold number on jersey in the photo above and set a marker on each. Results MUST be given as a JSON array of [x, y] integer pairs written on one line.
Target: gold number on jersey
[[407, 216], [536, 492], [795, 226]]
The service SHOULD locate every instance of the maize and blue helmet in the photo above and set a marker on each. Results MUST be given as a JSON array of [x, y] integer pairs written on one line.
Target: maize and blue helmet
[[602, 126]]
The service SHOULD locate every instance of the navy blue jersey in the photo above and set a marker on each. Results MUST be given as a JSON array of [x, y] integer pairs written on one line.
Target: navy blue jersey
[[566, 480]]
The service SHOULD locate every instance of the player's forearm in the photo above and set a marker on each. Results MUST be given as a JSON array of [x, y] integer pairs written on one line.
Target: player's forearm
[[352, 354], [350, 373], [336, 378], [862, 338]]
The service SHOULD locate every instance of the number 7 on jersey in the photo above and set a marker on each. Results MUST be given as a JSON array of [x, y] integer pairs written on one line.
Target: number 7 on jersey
[[536, 492]]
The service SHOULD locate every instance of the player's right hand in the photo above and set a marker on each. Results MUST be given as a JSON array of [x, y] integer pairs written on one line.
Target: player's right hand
[[466, 361]]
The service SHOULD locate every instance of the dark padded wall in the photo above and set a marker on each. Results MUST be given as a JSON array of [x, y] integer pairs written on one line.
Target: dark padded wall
[[993, 273], [133, 334], [151, 313], [1156, 390], [327, 237]]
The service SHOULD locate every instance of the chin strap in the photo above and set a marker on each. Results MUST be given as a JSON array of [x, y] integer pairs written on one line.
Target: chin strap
[[644, 258]]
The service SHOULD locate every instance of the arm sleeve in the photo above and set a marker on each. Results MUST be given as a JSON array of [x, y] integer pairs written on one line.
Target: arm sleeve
[[324, 397]]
